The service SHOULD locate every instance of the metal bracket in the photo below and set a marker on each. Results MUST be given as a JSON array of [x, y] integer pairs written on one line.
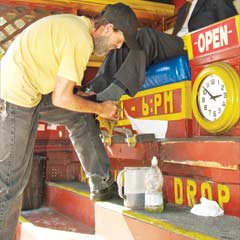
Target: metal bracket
[[126, 136], [130, 137], [106, 138]]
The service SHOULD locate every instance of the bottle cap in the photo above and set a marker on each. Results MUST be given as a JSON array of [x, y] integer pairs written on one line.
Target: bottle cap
[[154, 161]]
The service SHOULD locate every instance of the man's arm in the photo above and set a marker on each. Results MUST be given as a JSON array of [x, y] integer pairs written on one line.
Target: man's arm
[[123, 71], [63, 97]]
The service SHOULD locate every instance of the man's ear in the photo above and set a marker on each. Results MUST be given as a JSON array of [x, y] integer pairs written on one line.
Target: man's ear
[[109, 28], [104, 29]]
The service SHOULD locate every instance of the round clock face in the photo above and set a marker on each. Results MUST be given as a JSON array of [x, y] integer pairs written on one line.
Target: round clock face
[[212, 97], [216, 98]]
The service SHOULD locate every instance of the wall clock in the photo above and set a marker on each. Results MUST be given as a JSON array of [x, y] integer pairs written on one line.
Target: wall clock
[[216, 98]]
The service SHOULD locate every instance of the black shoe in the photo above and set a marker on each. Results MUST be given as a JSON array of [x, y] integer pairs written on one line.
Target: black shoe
[[104, 194]]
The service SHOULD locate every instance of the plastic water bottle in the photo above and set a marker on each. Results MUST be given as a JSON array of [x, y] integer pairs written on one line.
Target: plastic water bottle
[[153, 184]]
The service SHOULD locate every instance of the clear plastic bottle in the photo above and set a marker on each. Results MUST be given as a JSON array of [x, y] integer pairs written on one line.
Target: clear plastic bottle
[[153, 183]]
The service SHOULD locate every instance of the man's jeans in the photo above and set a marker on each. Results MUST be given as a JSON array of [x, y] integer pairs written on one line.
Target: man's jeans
[[18, 128]]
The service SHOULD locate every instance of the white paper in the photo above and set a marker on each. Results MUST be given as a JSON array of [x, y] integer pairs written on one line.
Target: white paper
[[207, 208], [157, 127]]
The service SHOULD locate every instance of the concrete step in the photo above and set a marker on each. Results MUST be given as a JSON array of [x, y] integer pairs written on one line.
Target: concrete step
[[175, 223], [192, 168], [72, 200], [47, 224], [113, 221]]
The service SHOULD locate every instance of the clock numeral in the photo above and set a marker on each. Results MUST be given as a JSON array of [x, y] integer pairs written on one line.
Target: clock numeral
[[214, 113], [209, 112], [224, 94], [219, 110], [205, 107], [224, 104], [208, 84], [203, 99], [222, 87], [212, 81], [204, 92]]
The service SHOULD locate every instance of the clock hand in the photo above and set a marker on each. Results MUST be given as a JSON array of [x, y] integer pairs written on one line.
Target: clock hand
[[216, 96], [212, 97]]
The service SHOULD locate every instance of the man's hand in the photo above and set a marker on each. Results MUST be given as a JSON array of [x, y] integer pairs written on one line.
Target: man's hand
[[63, 97], [110, 110]]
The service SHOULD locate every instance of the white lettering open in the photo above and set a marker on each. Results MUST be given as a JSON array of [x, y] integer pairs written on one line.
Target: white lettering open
[[213, 39]]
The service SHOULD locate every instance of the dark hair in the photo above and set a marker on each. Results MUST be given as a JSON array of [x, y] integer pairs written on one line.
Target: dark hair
[[100, 20], [123, 19]]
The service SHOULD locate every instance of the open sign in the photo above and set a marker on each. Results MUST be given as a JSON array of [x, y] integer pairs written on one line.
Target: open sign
[[216, 37]]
